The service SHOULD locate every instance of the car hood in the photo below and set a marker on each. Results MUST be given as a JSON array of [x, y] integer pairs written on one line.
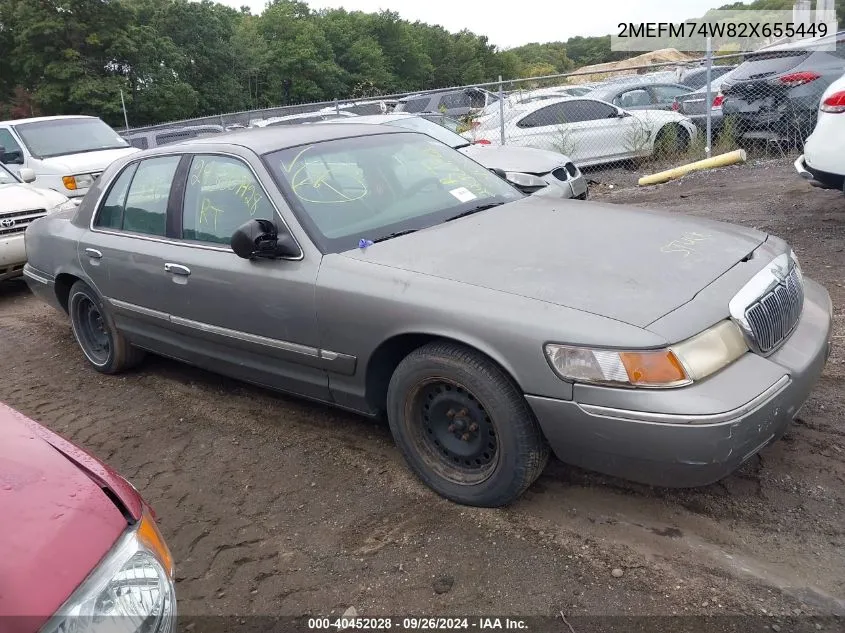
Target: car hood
[[525, 159], [23, 197], [57, 521], [87, 162], [625, 263]]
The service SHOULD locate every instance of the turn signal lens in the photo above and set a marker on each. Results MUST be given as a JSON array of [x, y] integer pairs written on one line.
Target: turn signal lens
[[69, 182], [659, 367], [149, 535]]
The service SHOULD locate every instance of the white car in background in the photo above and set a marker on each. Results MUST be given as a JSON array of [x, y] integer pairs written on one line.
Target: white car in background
[[20, 205], [66, 153], [589, 131], [823, 161]]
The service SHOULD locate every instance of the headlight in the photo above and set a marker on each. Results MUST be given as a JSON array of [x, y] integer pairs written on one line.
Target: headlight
[[81, 181], [674, 366], [67, 205], [526, 182], [130, 591]]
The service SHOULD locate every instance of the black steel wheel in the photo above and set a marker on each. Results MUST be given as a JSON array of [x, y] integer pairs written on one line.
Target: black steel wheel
[[454, 431], [103, 345], [463, 426]]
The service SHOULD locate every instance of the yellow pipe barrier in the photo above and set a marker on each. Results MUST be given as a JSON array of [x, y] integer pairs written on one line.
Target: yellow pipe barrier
[[722, 160]]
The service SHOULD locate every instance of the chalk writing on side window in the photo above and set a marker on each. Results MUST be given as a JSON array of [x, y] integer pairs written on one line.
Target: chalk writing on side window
[[211, 175]]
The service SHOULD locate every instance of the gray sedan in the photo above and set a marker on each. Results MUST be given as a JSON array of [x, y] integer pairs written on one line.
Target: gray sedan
[[378, 270]]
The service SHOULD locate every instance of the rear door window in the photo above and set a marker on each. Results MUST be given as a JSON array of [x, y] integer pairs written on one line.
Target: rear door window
[[145, 211]]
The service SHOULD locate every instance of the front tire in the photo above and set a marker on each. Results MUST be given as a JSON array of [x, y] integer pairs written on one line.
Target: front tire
[[671, 141], [463, 426], [104, 346]]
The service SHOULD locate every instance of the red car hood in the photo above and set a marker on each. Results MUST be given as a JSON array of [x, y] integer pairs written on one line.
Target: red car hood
[[56, 520]]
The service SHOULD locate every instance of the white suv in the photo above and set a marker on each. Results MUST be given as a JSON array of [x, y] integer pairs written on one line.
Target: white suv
[[67, 153], [21, 204], [823, 161]]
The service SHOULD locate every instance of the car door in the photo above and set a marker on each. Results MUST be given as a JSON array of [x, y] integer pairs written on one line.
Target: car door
[[122, 253], [606, 132], [547, 128], [253, 319]]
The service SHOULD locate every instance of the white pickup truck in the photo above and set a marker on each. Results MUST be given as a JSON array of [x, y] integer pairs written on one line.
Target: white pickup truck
[[66, 153]]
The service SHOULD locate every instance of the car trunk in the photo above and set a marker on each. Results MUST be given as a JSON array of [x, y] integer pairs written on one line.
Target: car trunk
[[750, 81]]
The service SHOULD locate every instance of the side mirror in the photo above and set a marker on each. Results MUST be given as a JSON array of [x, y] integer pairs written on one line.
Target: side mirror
[[261, 239], [27, 175]]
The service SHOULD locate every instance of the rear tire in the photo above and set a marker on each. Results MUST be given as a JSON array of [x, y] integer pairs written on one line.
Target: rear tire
[[104, 346], [463, 426]]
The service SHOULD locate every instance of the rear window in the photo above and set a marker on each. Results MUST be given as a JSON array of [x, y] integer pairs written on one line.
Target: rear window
[[766, 64], [413, 105]]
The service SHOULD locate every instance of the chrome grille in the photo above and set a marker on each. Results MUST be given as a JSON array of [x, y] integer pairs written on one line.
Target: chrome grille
[[773, 317], [572, 169], [16, 222]]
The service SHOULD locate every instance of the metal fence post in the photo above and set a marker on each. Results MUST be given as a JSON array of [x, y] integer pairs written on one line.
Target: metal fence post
[[336, 107], [709, 101], [501, 111]]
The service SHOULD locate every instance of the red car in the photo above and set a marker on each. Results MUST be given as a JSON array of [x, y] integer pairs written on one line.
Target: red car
[[79, 544]]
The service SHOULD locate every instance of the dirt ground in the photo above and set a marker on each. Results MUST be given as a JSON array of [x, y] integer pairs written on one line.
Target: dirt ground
[[272, 505]]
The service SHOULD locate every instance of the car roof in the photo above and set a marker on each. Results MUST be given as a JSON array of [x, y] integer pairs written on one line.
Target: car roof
[[807, 44], [48, 118], [366, 119], [271, 139]]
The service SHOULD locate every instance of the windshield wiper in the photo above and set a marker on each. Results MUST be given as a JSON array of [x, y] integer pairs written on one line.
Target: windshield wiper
[[390, 236], [462, 145], [480, 207]]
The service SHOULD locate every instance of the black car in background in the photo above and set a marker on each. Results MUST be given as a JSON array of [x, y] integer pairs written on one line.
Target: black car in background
[[774, 94]]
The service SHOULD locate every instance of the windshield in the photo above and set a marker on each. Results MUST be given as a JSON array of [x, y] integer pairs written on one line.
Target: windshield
[[6, 177], [369, 187], [59, 137], [419, 124]]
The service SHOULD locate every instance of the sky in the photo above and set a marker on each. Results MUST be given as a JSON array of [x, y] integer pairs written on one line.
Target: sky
[[516, 22]]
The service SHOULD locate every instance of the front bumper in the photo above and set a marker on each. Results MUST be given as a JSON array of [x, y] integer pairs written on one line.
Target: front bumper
[[12, 256], [664, 447], [572, 187]]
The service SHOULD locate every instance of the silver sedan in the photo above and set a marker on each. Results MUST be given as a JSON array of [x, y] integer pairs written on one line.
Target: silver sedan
[[376, 269]]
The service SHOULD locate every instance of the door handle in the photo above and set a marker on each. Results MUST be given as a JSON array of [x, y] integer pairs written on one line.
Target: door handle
[[177, 269], [93, 253]]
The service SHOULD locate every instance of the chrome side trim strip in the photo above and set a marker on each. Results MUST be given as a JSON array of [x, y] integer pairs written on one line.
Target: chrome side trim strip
[[331, 361], [28, 272], [131, 307], [675, 418], [248, 338]]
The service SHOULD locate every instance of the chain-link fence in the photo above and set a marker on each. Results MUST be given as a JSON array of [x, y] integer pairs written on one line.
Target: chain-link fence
[[671, 112]]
